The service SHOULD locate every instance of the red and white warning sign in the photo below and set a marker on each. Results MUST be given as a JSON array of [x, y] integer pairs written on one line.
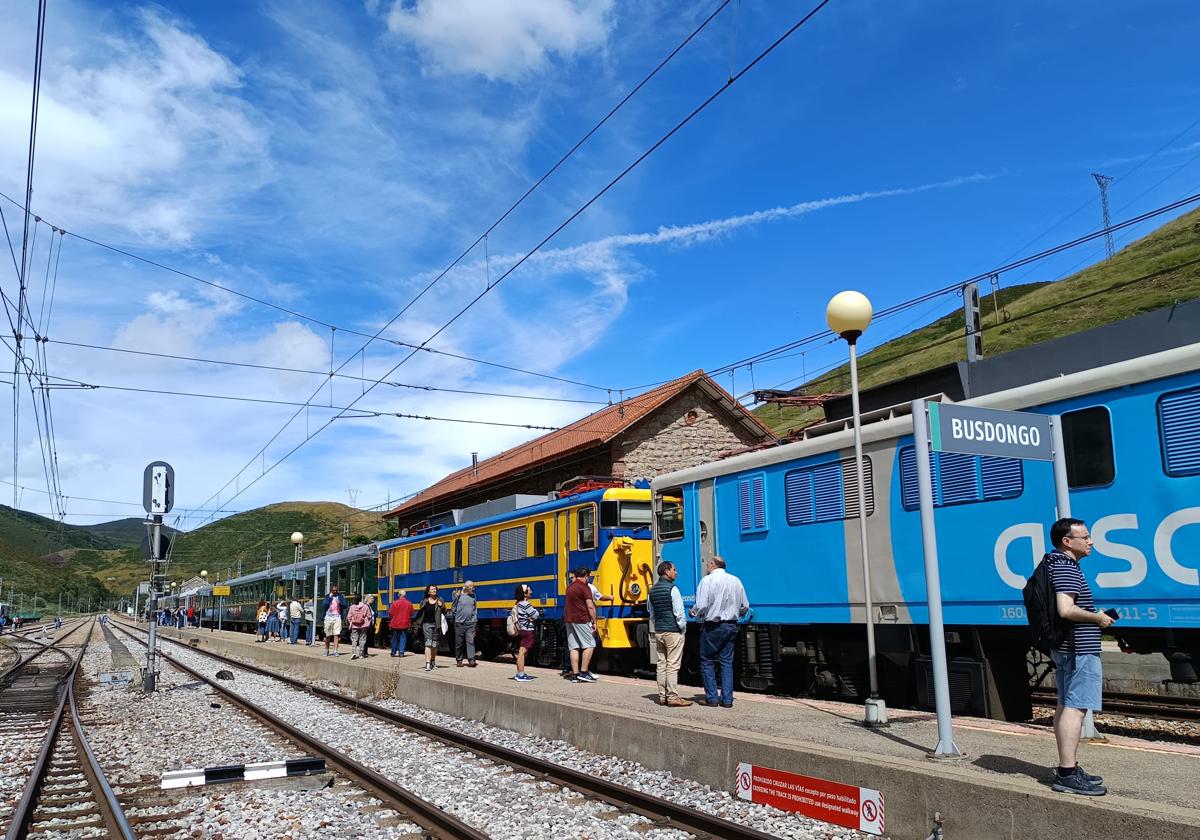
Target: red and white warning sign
[[832, 802]]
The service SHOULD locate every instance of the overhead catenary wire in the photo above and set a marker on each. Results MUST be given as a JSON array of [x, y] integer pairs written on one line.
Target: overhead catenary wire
[[545, 240], [308, 372]]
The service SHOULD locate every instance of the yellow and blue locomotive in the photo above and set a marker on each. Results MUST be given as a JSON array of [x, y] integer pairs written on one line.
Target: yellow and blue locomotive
[[539, 542]]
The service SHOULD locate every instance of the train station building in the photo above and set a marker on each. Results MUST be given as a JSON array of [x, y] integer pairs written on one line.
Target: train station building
[[682, 423]]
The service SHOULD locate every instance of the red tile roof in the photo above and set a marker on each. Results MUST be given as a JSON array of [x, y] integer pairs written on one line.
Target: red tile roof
[[594, 430]]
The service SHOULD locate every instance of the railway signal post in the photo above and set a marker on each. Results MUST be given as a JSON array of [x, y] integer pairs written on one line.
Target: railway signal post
[[158, 497]]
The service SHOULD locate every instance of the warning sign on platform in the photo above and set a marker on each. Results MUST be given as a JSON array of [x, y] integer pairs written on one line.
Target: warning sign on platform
[[832, 802], [218, 589]]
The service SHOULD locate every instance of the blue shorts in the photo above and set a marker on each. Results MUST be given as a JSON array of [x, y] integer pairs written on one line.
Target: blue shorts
[[1078, 679]]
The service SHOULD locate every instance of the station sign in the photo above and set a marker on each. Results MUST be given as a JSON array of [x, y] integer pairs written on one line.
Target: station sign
[[988, 431], [832, 802], [219, 589]]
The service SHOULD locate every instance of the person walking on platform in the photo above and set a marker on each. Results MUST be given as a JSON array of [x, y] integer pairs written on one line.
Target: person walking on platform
[[1077, 660], [579, 615], [465, 610], [334, 609], [720, 602], [431, 613], [524, 615], [399, 620], [260, 616], [669, 624], [360, 616], [294, 613]]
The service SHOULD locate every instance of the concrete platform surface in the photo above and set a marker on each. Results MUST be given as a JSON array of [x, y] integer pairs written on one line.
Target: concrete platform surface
[[999, 790]]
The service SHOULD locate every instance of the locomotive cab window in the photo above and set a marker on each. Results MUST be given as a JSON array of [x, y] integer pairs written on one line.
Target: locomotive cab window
[[1088, 441], [625, 514], [669, 514], [585, 520]]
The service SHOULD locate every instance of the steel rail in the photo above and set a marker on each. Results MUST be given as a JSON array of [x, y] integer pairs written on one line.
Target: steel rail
[[421, 811], [21, 663], [663, 812], [110, 808], [1152, 706], [23, 813]]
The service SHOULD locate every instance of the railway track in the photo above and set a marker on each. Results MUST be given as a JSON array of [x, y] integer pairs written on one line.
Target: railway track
[[65, 792], [1151, 706], [662, 813]]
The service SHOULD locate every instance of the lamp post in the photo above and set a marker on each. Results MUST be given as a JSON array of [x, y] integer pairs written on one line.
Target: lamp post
[[298, 542], [849, 314], [200, 612]]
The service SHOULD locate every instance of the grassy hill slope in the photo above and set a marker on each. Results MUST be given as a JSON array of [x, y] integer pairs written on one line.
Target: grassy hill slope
[[1153, 272], [41, 556], [246, 538]]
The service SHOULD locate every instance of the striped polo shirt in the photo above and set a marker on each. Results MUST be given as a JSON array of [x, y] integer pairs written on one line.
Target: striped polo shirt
[[1067, 578]]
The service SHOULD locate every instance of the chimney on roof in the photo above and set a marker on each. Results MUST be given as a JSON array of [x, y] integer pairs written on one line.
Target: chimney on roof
[[474, 464]]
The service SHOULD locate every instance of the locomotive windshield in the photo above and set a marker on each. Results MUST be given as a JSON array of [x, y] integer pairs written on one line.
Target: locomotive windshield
[[625, 514]]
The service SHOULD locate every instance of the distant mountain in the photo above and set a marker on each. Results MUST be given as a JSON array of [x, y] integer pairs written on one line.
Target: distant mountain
[[126, 533], [36, 557]]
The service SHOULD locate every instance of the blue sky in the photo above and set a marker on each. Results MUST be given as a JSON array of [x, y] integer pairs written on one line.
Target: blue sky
[[333, 157]]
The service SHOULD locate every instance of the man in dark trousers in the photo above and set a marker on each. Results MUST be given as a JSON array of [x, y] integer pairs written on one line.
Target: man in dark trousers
[[720, 602], [1077, 660], [466, 619]]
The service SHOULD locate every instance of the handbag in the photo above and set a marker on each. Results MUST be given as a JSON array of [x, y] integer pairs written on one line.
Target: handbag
[[445, 626]]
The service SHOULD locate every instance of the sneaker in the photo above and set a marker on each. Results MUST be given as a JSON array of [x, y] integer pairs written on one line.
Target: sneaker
[[335, 653], [470, 663], [524, 678], [565, 672], [458, 663], [587, 676], [1076, 783], [578, 679], [355, 656], [1093, 779]]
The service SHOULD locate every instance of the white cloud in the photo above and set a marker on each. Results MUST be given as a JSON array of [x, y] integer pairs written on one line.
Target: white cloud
[[500, 39], [124, 109]]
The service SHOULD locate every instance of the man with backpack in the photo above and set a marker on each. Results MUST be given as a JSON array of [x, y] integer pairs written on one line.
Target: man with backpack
[[1070, 626]]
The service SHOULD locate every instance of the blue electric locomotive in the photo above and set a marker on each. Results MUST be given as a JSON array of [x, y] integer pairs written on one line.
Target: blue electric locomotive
[[785, 521]]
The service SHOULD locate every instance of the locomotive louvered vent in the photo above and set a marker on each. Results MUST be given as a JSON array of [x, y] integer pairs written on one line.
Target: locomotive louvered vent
[[965, 680], [439, 556], [1179, 421], [961, 479], [416, 560], [479, 549], [827, 492], [752, 503], [512, 543]]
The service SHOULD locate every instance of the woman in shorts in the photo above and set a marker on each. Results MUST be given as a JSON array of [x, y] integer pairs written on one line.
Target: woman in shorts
[[526, 614], [429, 613]]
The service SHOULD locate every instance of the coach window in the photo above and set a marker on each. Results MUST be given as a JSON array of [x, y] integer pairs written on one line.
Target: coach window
[[1087, 437], [585, 520], [539, 538]]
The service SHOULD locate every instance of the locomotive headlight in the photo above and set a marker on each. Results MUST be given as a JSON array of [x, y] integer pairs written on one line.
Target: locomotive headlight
[[636, 589]]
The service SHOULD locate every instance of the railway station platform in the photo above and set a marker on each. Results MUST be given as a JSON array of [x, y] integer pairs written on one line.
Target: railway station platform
[[1000, 789]]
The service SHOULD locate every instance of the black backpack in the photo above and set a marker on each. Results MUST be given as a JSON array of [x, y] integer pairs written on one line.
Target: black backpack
[[1041, 609]]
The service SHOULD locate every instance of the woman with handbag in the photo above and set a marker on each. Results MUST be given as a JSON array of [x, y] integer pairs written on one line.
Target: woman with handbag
[[431, 613]]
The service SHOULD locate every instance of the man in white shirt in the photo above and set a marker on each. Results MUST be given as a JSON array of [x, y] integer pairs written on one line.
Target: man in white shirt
[[720, 602]]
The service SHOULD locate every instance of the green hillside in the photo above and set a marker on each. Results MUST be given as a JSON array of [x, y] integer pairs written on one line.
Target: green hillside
[[1155, 271], [34, 553], [41, 556], [247, 537]]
